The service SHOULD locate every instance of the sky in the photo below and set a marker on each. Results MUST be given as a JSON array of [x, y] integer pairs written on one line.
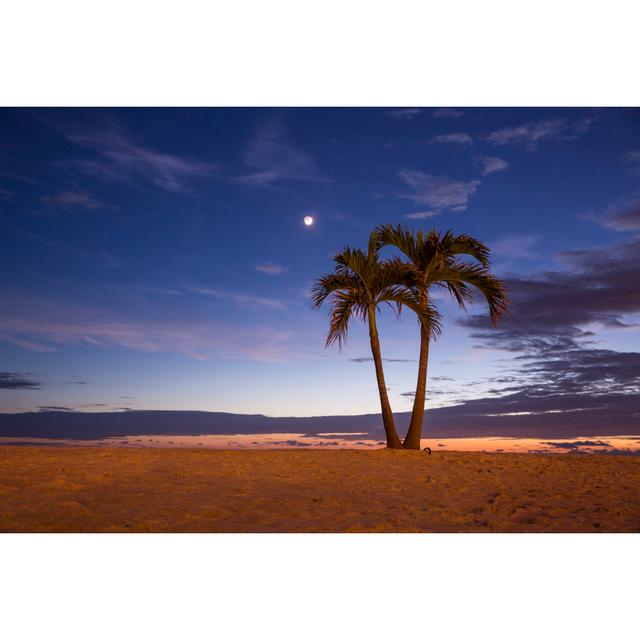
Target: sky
[[158, 259]]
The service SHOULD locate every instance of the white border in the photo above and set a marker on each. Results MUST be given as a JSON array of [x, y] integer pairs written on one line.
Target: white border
[[319, 586], [322, 53]]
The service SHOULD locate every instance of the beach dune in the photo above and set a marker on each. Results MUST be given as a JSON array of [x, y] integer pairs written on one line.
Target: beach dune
[[63, 489]]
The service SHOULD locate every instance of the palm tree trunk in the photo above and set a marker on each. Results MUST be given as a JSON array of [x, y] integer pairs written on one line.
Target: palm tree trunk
[[412, 440], [393, 440]]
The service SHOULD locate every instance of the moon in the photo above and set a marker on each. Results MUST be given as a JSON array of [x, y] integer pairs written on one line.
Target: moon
[[308, 221]]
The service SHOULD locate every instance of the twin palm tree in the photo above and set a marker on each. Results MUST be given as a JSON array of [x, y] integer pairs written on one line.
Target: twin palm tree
[[361, 283]]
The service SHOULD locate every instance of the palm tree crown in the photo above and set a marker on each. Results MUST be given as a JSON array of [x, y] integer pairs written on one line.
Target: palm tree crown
[[361, 281], [434, 261]]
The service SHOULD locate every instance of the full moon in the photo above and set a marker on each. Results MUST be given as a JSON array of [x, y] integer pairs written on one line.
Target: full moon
[[308, 220]]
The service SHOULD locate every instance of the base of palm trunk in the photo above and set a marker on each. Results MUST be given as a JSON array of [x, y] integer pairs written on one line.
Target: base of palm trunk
[[412, 441]]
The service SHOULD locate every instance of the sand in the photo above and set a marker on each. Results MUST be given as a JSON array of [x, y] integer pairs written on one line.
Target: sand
[[60, 489]]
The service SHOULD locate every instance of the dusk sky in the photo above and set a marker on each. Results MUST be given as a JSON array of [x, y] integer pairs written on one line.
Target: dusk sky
[[158, 259]]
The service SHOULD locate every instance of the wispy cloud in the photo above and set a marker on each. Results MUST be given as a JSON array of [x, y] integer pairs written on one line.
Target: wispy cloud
[[447, 112], [18, 381], [270, 268], [236, 297], [28, 345], [273, 157], [403, 114], [625, 217], [459, 137], [490, 164], [421, 215], [633, 161], [6, 195], [577, 444], [245, 299], [439, 193], [48, 407], [531, 134], [75, 380], [74, 199], [62, 325], [119, 158]]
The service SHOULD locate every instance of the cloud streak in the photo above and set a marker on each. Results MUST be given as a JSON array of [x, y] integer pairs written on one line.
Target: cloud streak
[[623, 218], [18, 381], [74, 199], [531, 134], [273, 158], [421, 215], [244, 299], [439, 193], [45, 408], [65, 325], [270, 268], [119, 158], [491, 164], [459, 138], [236, 297]]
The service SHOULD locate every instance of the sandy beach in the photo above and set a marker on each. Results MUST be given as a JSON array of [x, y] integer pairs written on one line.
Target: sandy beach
[[60, 489]]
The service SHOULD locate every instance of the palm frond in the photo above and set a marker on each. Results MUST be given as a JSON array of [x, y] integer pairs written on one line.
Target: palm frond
[[323, 287], [353, 288], [434, 257], [460, 291], [466, 245], [481, 279], [398, 236], [345, 305], [426, 312]]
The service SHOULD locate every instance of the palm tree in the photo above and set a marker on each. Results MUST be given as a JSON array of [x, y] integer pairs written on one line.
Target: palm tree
[[433, 260], [358, 286]]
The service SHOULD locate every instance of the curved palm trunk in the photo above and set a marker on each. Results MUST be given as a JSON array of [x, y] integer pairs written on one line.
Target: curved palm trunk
[[393, 440], [412, 440]]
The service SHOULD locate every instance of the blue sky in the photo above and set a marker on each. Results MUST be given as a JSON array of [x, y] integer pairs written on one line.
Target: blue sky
[[157, 258]]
